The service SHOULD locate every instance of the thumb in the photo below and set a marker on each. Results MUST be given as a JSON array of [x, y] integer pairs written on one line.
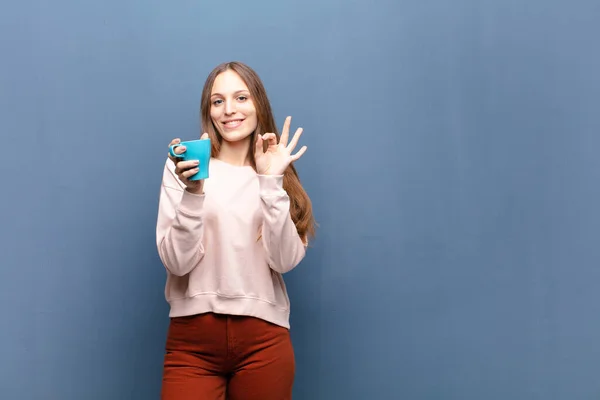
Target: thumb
[[204, 136]]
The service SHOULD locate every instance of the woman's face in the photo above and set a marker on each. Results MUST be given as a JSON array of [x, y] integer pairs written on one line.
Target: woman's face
[[231, 108]]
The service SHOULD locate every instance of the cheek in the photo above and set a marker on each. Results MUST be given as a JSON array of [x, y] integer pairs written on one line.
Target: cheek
[[250, 111], [215, 116], [215, 113], [252, 120]]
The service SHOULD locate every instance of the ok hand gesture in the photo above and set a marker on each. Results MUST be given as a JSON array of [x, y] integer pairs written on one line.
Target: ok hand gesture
[[278, 156]]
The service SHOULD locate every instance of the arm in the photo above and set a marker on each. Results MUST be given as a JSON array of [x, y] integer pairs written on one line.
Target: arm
[[281, 241], [179, 227]]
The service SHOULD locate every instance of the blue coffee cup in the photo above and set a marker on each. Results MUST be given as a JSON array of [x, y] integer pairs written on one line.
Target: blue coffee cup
[[195, 150]]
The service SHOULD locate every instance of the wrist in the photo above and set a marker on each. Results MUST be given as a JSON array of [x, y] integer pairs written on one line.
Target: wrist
[[270, 173], [270, 185], [199, 190]]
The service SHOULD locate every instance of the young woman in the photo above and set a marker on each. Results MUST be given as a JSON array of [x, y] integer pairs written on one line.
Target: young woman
[[225, 243]]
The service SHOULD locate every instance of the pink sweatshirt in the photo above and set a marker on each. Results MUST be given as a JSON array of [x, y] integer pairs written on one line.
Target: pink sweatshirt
[[212, 249]]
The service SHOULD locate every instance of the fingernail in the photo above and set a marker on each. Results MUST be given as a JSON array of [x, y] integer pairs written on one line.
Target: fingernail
[[196, 162]]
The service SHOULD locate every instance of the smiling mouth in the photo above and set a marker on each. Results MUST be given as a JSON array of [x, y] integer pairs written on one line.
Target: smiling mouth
[[233, 123]]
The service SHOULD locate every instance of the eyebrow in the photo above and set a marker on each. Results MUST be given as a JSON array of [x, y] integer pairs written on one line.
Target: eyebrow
[[236, 92]]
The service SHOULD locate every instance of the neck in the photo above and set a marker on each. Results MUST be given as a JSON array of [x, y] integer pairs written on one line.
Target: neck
[[235, 153]]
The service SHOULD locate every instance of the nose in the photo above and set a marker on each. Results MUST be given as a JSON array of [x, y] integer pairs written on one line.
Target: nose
[[229, 107]]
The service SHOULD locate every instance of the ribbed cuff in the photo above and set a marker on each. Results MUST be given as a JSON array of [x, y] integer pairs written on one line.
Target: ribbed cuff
[[271, 185]]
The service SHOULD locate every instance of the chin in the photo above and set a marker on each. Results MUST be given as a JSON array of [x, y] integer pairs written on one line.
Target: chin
[[235, 136]]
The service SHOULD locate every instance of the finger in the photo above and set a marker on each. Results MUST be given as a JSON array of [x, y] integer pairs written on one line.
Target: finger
[[285, 133], [177, 150], [295, 139], [271, 139], [183, 165], [204, 136], [299, 153], [190, 172], [173, 142]]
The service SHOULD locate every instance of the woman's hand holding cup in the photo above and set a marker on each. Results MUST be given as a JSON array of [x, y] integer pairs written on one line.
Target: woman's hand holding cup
[[185, 169]]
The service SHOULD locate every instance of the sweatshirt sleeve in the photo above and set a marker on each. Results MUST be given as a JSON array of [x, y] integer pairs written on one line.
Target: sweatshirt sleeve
[[283, 245], [179, 227]]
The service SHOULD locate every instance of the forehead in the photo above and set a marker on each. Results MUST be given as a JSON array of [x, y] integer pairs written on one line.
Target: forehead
[[228, 82]]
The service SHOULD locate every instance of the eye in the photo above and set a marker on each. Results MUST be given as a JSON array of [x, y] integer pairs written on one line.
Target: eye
[[217, 102], [242, 98]]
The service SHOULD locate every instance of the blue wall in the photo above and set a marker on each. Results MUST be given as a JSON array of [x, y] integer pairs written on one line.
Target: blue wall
[[452, 163]]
